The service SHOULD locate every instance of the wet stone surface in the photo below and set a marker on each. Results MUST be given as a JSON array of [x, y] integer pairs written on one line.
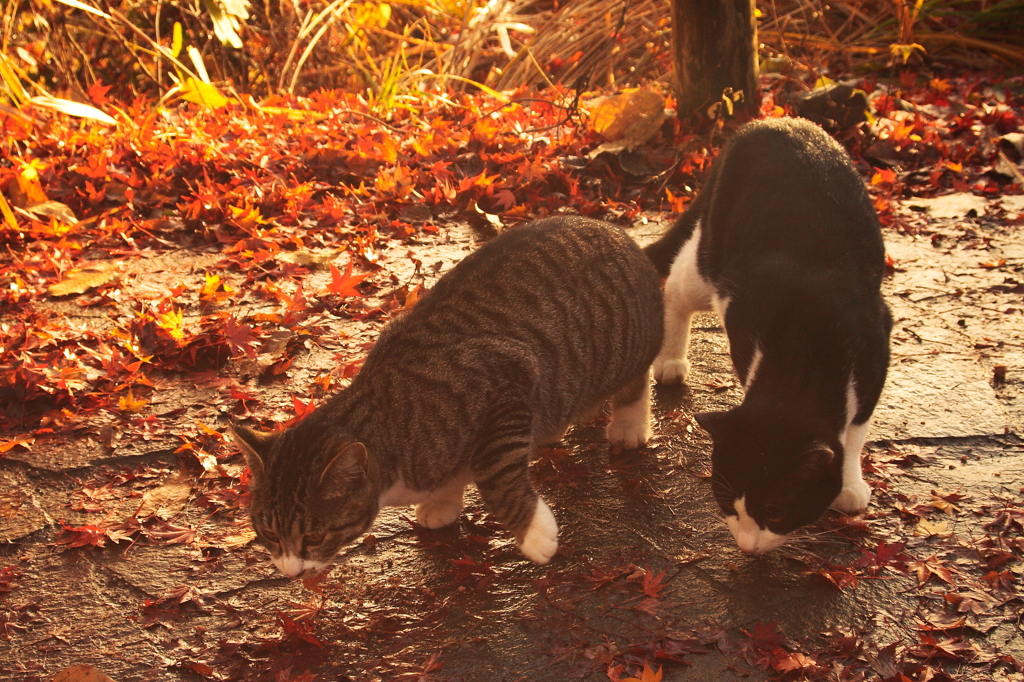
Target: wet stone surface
[[646, 570]]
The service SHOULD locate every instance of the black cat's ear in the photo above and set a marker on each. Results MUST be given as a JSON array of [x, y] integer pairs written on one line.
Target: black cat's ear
[[712, 422], [820, 458], [255, 445], [349, 464]]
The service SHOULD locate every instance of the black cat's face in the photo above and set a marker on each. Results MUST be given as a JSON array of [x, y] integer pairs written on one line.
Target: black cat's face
[[304, 517], [769, 478]]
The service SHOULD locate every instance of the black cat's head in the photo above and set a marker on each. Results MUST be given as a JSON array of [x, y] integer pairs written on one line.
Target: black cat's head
[[309, 495], [772, 472]]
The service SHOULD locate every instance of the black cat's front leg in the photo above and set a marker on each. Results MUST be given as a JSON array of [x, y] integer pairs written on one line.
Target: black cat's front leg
[[501, 475]]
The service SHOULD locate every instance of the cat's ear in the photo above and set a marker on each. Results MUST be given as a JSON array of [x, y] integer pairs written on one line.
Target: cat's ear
[[820, 458], [712, 422], [348, 465], [255, 445]]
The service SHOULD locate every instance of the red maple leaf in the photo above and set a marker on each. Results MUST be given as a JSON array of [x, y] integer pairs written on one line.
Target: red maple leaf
[[886, 556], [653, 585], [240, 337], [98, 92], [504, 199], [344, 285]]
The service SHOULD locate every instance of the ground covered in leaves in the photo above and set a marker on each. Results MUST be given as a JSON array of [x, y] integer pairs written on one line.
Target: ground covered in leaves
[[191, 264]]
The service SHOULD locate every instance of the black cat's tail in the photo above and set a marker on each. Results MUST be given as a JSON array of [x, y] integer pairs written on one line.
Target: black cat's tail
[[664, 251]]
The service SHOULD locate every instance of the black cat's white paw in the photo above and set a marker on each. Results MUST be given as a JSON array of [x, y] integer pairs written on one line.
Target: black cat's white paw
[[853, 498], [540, 542], [671, 370]]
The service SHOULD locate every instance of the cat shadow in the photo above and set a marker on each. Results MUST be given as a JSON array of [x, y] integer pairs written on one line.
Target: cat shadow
[[673, 397]]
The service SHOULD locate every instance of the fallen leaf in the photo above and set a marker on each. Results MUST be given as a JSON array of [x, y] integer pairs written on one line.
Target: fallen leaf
[[53, 209], [128, 403], [82, 280], [959, 205], [81, 673], [344, 285], [167, 500], [927, 529]]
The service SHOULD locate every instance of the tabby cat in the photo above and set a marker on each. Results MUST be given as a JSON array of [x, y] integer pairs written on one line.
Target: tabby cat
[[534, 330], [783, 243]]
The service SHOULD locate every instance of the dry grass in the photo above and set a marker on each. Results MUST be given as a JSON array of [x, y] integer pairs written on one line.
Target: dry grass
[[387, 51]]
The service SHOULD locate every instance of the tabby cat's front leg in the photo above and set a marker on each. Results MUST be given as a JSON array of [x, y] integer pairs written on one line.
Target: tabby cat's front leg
[[501, 475], [444, 506]]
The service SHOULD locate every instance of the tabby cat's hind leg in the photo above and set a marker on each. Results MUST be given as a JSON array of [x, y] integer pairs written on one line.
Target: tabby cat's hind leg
[[500, 473], [630, 425]]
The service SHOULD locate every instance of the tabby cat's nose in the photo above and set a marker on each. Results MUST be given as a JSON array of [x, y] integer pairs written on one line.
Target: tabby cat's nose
[[291, 566]]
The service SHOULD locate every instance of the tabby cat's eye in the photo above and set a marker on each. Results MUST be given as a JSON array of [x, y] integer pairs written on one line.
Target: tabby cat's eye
[[314, 539]]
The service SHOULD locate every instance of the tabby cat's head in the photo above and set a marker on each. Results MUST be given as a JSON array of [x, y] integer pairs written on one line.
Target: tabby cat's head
[[771, 474], [309, 495]]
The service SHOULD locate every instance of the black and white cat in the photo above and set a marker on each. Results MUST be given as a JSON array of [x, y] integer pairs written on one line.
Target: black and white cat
[[783, 243]]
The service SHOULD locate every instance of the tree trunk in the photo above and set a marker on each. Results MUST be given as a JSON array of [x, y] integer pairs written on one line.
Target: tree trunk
[[715, 45]]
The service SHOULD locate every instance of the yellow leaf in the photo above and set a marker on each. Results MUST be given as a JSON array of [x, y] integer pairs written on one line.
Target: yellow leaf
[[8, 214], [177, 41], [128, 403], [82, 280], [173, 322], [28, 182], [906, 51], [822, 82], [203, 94]]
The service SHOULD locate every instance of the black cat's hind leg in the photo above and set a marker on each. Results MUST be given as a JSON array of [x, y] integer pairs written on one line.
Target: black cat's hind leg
[[630, 426], [501, 475]]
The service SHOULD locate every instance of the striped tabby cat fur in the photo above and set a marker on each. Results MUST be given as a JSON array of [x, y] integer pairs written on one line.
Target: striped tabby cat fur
[[533, 331]]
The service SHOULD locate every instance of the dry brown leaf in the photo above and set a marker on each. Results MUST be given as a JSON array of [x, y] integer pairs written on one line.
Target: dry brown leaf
[[231, 540], [81, 673], [53, 209], [630, 118], [927, 529], [167, 500], [309, 259], [80, 281]]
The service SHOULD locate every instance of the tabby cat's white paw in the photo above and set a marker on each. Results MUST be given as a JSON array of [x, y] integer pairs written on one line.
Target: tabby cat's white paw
[[540, 542], [629, 433], [671, 370], [853, 498], [439, 512]]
